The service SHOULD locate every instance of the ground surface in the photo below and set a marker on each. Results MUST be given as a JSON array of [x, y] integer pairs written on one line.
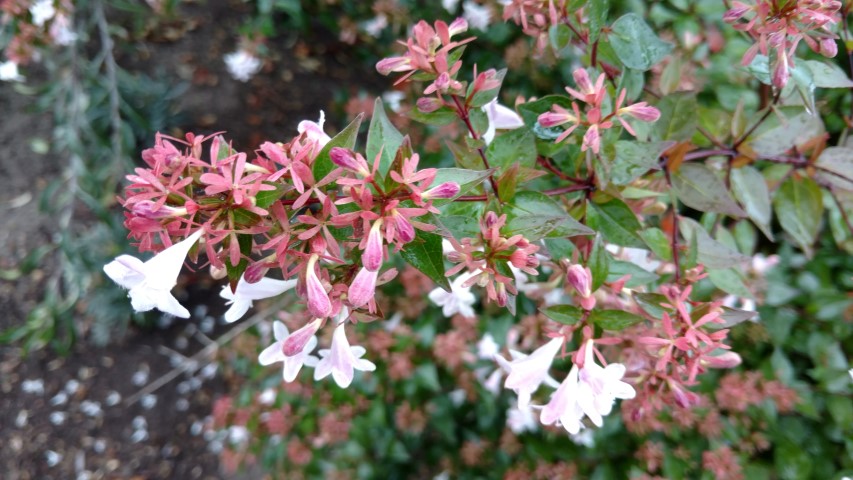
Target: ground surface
[[69, 417]]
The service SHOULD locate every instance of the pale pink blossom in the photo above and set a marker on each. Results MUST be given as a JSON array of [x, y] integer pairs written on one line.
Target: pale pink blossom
[[315, 129], [150, 282], [526, 373], [599, 387], [318, 300], [292, 363], [500, 118], [341, 360], [363, 287], [242, 297]]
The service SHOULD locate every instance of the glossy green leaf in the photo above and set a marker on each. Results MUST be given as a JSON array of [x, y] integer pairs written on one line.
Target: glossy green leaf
[[535, 215], [659, 242], [635, 43], [729, 281], [439, 118], [750, 188], [784, 129], [596, 14], [799, 208], [836, 165], [698, 187], [467, 180], [827, 74], [515, 146], [616, 222], [614, 320], [425, 254], [634, 159], [598, 263], [345, 139], [709, 252], [565, 314], [382, 136], [678, 119]]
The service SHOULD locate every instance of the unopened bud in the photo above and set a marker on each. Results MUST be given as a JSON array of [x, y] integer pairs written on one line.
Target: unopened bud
[[318, 300], [373, 252], [828, 47], [296, 342], [726, 360], [349, 160], [781, 73], [218, 273], [405, 230], [362, 288], [580, 278], [428, 104], [255, 272], [458, 26], [445, 190], [150, 210]]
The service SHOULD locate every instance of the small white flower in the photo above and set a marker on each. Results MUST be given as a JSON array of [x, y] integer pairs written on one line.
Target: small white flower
[[459, 300], [275, 353], [521, 420], [761, 264], [9, 72], [450, 5], [478, 16], [500, 118], [527, 372], [61, 32], [374, 26], [242, 65], [341, 360], [315, 129], [487, 347], [392, 99], [267, 397], [42, 11], [241, 300], [150, 282]]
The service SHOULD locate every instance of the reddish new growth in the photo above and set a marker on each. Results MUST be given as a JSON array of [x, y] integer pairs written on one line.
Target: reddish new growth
[[778, 27], [324, 220], [488, 256]]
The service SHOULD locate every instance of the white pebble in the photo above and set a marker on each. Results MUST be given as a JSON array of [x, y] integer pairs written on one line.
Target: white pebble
[[182, 405], [139, 423], [59, 399], [58, 418], [139, 378], [113, 398], [196, 427], [71, 386], [139, 436], [21, 419], [148, 401], [52, 458], [33, 386], [209, 370], [183, 388], [100, 445], [90, 408]]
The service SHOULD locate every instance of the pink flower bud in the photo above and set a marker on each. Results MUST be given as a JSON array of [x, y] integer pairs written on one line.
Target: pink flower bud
[[150, 210], [445, 190], [393, 64], [296, 342], [255, 272], [828, 47], [580, 278], [591, 140], [372, 256], [552, 119], [726, 360], [458, 26], [738, 10], [781, 73], [349, 160], [318, 300], [362, 288], [684, 398], [583, 82], [642, 111], [428, 104], [486, 81], [501, 297], [218, 273], [405, 230]]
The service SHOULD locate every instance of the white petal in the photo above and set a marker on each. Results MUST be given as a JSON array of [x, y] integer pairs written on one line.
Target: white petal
[[163, 269], [323, 368], [343, 379], [126, 271], [271, 355], [265, 288], [364, 365], [358, 350], [292, 366], [279, 331], [168, 304], [505, 118], [227, 294], [237, 310]]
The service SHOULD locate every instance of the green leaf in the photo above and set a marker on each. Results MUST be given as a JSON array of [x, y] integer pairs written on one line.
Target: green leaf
[[799, 208], [559, 35], [651, 303], [425, 254], [709, 252], [596, 14], [803, 82], [639, 276], [633, 159], [678, 119], [236, 271], [565, 314], [382, 136], [345, 139], [467, 179], [827, 74], [614, 320], [837, 165], [787, 128], [559, 248], [439, 118], [265, 198], [635, 43], [658, 242], [616, 221], [698, 187], [598, 263], [750, 188], [517, 145], [729, 281], [536, 215]]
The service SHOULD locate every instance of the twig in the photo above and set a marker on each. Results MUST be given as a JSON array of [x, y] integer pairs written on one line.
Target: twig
[[195, 362], [462, 110], [759, 122]]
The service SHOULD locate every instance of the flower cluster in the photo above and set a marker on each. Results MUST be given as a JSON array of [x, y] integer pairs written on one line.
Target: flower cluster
[[323, 216], [429, 51], [535, 17], [488, 256], [34, 25], [594, 117], [778, 27]]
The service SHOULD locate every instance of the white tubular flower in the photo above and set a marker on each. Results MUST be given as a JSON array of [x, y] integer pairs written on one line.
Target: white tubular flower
[[150, 282], [242, 65], [9, 72], [598, 388], [241, 299], [315, 129], [459, 300], [42, 11], [526, 373], [564, 405], [341, 360], [500, 117], [292, 364]]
